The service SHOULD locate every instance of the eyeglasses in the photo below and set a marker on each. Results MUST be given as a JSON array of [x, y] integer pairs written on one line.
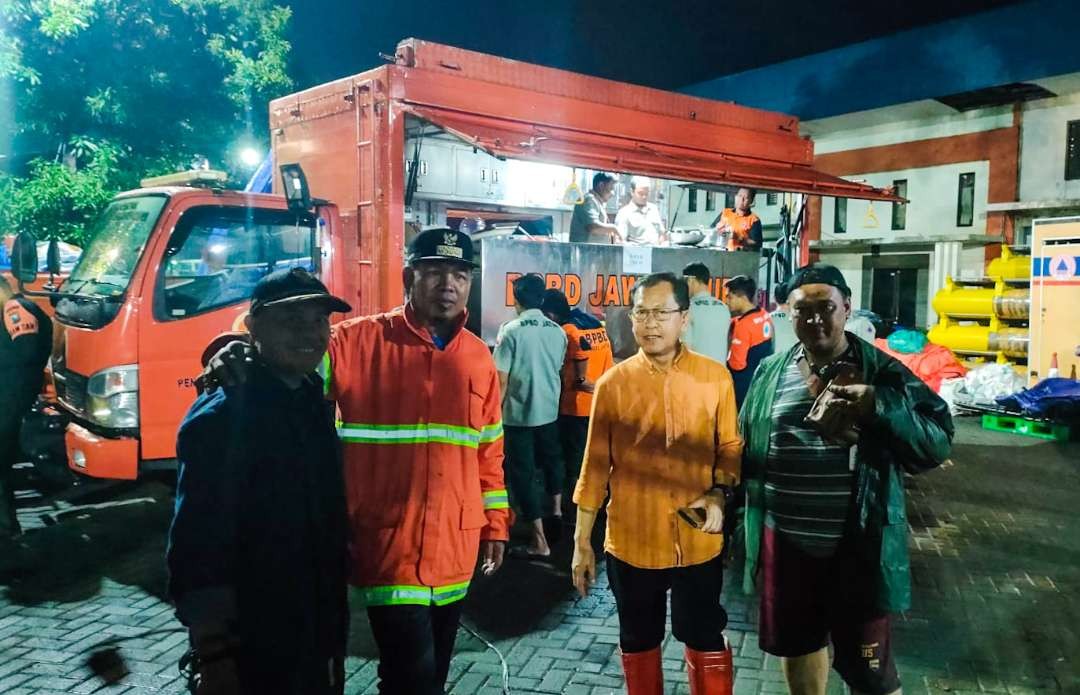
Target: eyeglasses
[[661, 315]]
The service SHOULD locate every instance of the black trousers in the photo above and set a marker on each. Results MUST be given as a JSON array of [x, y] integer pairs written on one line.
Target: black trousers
[[262, 674], [529, 448], [9, 454], [697, 618], [415, 645], [573, 432]]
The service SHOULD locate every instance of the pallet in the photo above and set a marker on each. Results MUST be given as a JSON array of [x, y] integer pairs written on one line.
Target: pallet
[[1029, 428]]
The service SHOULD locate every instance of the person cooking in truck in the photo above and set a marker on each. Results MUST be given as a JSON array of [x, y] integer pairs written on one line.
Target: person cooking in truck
[[589, 223], [737, 229]]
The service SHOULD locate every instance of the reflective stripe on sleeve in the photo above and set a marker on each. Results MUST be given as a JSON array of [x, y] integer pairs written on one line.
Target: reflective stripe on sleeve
[[491, 433], [406, 595], [496, 499]]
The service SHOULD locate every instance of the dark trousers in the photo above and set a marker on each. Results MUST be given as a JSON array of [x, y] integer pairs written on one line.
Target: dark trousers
[[697, 618], [529, 448], [573, 433], [9, 455], [415, 645], [262, 674]]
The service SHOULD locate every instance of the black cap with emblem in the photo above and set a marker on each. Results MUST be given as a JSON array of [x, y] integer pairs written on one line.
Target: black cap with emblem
[[441, 244], [293, 285]]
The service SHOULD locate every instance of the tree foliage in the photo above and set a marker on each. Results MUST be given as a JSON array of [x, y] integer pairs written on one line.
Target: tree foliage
[[107, 91]]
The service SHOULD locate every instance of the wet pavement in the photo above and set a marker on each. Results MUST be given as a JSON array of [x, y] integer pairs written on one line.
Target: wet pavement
[[995, 556]]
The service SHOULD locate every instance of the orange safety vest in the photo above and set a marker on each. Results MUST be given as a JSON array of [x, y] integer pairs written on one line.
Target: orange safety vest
[[740, 227], [422, 435]]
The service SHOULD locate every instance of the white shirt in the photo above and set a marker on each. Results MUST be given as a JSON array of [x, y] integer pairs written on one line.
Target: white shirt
[[640, 225], [710, 322], [530, 351]]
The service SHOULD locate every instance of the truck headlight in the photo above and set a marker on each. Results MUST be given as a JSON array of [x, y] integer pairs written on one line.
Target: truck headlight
[[113, 397]]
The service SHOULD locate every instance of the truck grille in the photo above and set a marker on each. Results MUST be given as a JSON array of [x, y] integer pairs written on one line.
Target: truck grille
[[71, 390]]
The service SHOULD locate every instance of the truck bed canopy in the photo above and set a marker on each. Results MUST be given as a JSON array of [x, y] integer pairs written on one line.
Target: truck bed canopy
[[509, 138]]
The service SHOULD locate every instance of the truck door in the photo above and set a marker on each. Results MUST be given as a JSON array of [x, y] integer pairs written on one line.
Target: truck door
[[201, 288]]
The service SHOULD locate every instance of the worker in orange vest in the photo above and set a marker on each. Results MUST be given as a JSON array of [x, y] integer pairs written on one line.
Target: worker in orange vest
[[738, 229], [421, 425]]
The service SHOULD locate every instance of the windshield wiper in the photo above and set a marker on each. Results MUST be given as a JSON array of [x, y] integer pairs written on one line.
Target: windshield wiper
[[97, 282]]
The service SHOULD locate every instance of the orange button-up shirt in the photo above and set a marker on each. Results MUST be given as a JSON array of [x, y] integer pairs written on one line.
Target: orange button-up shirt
[[659, 440]]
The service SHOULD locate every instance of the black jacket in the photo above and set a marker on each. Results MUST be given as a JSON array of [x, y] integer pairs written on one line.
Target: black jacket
[[25, 345], [259, 532]]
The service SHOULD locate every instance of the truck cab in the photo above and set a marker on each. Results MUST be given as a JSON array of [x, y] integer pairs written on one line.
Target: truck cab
[[169, 266]]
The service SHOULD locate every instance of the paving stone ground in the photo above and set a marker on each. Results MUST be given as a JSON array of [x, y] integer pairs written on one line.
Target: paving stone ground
[[996, 562]]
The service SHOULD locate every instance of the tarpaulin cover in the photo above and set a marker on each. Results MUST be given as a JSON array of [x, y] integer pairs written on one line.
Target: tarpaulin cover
[[1054, 398]]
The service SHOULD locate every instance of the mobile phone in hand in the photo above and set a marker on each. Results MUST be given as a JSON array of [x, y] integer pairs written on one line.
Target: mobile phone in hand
[[695, 516]]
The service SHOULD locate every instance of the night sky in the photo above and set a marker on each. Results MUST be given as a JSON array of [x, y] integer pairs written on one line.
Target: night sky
[[661, 44]]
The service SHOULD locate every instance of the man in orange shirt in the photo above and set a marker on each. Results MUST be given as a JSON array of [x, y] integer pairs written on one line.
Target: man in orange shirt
[[663, 443], [751, 333], [738, 229], [588, 356], [422, 432]]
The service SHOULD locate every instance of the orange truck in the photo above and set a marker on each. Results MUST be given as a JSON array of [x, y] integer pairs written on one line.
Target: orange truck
[[437, 136]]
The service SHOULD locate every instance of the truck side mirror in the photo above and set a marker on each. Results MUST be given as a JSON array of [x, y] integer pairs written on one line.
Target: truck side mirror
[[297, 194], [52, 257], [24, 260]]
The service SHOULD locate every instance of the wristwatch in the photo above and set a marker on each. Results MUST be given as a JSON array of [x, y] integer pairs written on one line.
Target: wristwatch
[[728, 493]]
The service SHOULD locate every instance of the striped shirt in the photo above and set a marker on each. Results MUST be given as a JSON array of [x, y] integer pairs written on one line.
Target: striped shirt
[[807, 479]]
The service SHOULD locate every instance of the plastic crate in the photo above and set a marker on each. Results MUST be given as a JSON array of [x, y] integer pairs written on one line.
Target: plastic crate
[[1028, 428]]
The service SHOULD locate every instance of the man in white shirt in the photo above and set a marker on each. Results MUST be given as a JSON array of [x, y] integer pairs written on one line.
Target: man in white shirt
[[710, 319], [639, 221], [529, 354]]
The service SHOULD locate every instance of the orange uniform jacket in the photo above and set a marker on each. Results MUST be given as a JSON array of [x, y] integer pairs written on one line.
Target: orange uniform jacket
[[744, 228], [751, 342], [422, 434]]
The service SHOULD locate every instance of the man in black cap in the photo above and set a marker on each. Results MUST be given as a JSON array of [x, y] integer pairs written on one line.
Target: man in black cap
[[419, 402], [257, 550], [830, 426]]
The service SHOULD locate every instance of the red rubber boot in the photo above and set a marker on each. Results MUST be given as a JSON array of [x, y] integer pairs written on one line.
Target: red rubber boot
[[710, 673], [643, 672]]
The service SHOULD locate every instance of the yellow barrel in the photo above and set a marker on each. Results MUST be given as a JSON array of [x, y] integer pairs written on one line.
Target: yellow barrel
[[1009, 266], [976, 339], [981, 303]]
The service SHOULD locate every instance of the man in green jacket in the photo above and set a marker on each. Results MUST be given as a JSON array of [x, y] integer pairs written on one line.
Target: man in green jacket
[[830, 426]]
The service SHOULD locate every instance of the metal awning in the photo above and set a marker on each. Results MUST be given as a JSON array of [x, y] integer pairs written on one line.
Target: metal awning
[[515, 139]]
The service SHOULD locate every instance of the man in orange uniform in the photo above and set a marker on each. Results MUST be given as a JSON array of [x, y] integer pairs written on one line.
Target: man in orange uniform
[[588, 356], [422, 431], [662, 438], [751, 333], [738, 229]]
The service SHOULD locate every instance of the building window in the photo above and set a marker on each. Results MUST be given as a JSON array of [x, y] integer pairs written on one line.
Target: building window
[[691, 204], [840, 216], [1072, 150], [965, 201], [770, 199], [899, 210], [710, 201], [729, 200]]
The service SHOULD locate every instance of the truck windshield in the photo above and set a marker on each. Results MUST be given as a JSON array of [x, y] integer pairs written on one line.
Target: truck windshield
[[116, 242], [217, 254]]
